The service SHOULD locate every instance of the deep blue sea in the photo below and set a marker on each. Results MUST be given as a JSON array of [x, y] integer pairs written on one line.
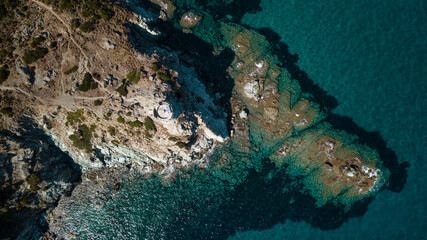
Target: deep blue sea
[[371, 56]]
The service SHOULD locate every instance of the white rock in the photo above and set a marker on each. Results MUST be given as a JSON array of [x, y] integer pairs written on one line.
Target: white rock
[[251, 89], [243, 114]]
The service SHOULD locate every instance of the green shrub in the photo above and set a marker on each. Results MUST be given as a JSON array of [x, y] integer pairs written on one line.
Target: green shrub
[[98, 102], [10, 50], [67, 5], [87, 27], [106, 13], [4, 74], [135, 124], [181, 144], [82, 137], [7, 111], [7, 101], [149, 127], [120, 119], [33, 181], [75, 23], [53, 44], [122, 90], [86, 12], [36, 41], [107, 116], [173, 139], [129, 114], [71, 70], [88, 83], [164, 76], [3, 54], [134, 76], [75, 117], [34, 55], [155, 67], [112, 131]]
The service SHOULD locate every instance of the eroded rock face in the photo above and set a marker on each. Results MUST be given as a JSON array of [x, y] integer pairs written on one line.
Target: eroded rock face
[[34, 175]]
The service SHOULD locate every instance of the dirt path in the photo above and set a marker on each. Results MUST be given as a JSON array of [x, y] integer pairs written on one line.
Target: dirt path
[[63, 98], [22, 92], [48, 8]]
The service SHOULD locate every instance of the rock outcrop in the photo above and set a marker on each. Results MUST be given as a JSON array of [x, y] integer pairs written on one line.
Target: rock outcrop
[[34, 175]]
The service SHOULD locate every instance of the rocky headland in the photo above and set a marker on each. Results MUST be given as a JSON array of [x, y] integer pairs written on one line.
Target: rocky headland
[[93, 91]]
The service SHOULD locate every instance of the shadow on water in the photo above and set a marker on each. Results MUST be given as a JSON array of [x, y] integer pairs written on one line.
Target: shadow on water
[[264, 199], [289, 61], [374, 140], [53, 166]]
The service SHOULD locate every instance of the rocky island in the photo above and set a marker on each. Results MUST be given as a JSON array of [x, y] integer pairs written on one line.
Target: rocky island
[[110, 105]]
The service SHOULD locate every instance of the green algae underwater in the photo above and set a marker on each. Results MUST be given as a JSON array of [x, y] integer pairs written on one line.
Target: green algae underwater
[[247, 184]]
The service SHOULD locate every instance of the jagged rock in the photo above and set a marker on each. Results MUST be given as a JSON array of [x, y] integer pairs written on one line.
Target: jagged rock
[[24, 72], [107, 44], [251, 89]]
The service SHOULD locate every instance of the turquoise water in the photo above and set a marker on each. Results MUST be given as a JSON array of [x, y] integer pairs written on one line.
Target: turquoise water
[[371, 56]]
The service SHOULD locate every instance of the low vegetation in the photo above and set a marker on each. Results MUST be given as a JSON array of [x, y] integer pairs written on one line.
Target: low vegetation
[[7, 8], [120, 119], [75, 117], [88, 26], [112, 131], [75, 23], [93, 9], [97, 76], [7, 111], [135, 124], [71, 70], [164, 75], [150, 128], [88, 83], [98, 102], [32, 56], [4, 73], [36, 41], [33, 181], [108, 116], [134, 76], [173, 139], [155, 67], [82, 137], [181, 144], [122, 90]]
